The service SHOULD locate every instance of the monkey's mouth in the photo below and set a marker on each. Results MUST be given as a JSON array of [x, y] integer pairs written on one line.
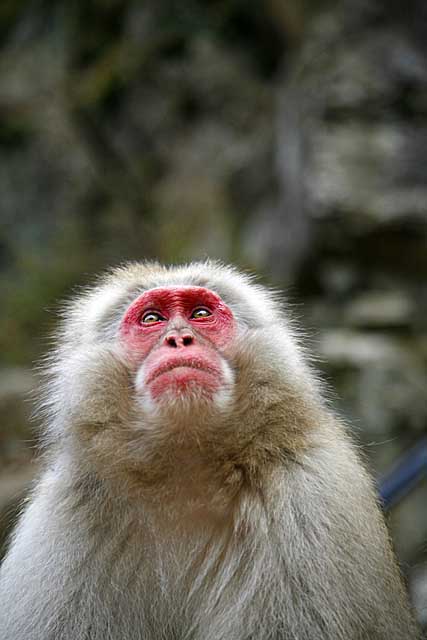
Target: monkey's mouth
[[182, 366]]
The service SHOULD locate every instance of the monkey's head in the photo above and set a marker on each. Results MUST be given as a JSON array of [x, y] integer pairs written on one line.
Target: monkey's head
[[160, 372]]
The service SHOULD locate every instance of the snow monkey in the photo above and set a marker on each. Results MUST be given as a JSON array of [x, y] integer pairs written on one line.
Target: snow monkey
[[196, 484]]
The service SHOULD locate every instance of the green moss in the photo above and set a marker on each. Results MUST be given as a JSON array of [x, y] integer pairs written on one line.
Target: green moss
[[15, 131]]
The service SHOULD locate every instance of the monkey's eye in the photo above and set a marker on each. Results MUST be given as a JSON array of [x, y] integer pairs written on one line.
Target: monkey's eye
[[200, 312], [150, 317]]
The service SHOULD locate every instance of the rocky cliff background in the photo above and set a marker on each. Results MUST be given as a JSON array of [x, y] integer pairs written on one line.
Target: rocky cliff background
[[287, 137]]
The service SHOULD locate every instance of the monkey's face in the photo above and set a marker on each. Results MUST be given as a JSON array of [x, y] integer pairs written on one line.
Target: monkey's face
[[177, 338], [164, 369]]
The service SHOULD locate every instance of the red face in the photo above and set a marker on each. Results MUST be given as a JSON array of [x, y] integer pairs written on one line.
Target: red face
[[177, 335]]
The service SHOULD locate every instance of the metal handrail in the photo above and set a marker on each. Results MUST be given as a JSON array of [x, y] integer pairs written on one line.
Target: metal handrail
[[405, 475]]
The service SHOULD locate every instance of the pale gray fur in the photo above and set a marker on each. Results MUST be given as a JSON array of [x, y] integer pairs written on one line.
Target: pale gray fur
[[302, 553]]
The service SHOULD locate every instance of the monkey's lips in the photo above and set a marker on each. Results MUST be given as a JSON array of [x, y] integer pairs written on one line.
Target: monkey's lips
[[182, 373]]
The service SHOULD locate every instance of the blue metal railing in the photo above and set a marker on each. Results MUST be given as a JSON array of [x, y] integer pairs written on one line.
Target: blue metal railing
[[408, 471]]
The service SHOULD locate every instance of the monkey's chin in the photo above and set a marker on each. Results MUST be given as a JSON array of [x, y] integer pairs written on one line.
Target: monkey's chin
[[184, 390], [184, 380]]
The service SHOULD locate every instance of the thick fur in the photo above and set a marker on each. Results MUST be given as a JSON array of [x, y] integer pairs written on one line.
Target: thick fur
[[247, 518]]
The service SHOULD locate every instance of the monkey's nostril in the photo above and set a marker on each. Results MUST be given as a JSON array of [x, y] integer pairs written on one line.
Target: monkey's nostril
[[170, 340], [187, 340]]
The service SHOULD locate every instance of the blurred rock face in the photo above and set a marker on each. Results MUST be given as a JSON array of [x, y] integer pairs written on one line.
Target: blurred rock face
[[351, 159], [16, 442]]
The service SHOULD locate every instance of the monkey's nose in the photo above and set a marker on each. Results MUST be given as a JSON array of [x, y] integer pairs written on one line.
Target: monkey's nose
[[177, 339]]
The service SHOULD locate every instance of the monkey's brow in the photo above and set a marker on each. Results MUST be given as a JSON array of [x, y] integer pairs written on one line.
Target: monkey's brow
[[108, 322]]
